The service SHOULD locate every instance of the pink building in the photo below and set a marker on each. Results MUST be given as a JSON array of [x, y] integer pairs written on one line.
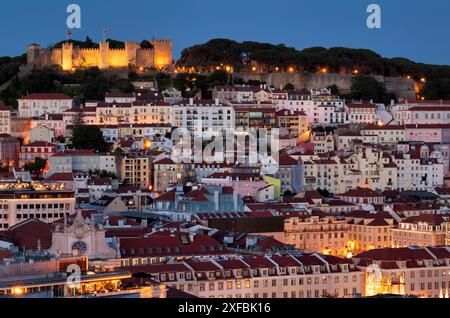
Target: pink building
[[245, 184], [38, 149]]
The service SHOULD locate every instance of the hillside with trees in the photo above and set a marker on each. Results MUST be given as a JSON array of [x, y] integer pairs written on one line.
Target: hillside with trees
[[272, 58], [91, 84], [10, 66]]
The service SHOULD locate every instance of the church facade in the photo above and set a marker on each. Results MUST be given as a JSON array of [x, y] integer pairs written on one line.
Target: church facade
[[81, 238], [69, 57]]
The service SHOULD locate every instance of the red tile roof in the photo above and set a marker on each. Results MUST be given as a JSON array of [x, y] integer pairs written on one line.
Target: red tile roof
[[365, 105], [40, 144], [360, 192], [431, 219], [46, 96], [259, 262], [232, 264], [67, 176], [287, 161], [158, 244], [165, 161], [27, 234], [203, 266], [430, 108], [158, 268], [395, 254], [5, 254]]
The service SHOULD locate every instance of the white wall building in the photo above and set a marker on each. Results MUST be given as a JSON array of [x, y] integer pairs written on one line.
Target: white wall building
[[34, 105], [213, 116]]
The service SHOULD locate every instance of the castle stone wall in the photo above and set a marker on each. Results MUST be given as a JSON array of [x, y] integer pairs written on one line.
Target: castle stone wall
[[403, 88], [86, 58], [162, 52], [118, 58], [69, 57]]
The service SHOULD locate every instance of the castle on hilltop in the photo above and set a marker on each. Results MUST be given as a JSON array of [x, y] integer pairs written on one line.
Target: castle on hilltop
[[69, 57]]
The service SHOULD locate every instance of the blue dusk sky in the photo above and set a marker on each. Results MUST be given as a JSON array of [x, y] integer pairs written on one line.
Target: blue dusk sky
[[416, 29]]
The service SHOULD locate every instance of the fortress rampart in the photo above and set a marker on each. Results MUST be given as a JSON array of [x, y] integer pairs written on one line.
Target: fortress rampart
[[403, 88], [69, 57]]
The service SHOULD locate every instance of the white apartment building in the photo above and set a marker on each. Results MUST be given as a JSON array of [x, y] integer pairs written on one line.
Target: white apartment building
[[5, 120], [212, 115], [429, 133], [323, 174], [417, 173], [321, 107], [386, 134], [120, 98], [240, 94], [421, 112], [345, 140], [34, 105], [133, 113], [80, 160], [364, 113], [21, 201], [328, 109], [375, 169]]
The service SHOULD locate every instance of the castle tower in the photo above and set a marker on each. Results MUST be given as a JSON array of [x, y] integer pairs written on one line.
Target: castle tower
[[67, 56], [131, 49], [162, 52], [33, 52], [104, 55]]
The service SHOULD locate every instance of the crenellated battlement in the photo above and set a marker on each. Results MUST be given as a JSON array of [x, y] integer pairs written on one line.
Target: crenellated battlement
[[70, 57], [92, 49]]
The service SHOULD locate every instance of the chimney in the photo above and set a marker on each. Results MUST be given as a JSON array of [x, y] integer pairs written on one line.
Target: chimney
[[176, 202], [191, 101], [216, 201], [235, 200], [217, 101]]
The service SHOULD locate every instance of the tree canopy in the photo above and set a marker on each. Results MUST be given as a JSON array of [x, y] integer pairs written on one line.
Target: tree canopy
[[36, 167], [86, 137], [10, 66], [368, 88], [146, 45], [271, 57]]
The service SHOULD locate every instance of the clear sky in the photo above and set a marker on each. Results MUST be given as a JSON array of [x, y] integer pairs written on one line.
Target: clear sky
[[415, 29]]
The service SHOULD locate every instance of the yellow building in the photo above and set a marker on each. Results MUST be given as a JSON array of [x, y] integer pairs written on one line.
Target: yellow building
[[134, 170], [421, 272], [166, 173], [133, 113], [369, 231], [316, 232], [295, 124], [422, 230]]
